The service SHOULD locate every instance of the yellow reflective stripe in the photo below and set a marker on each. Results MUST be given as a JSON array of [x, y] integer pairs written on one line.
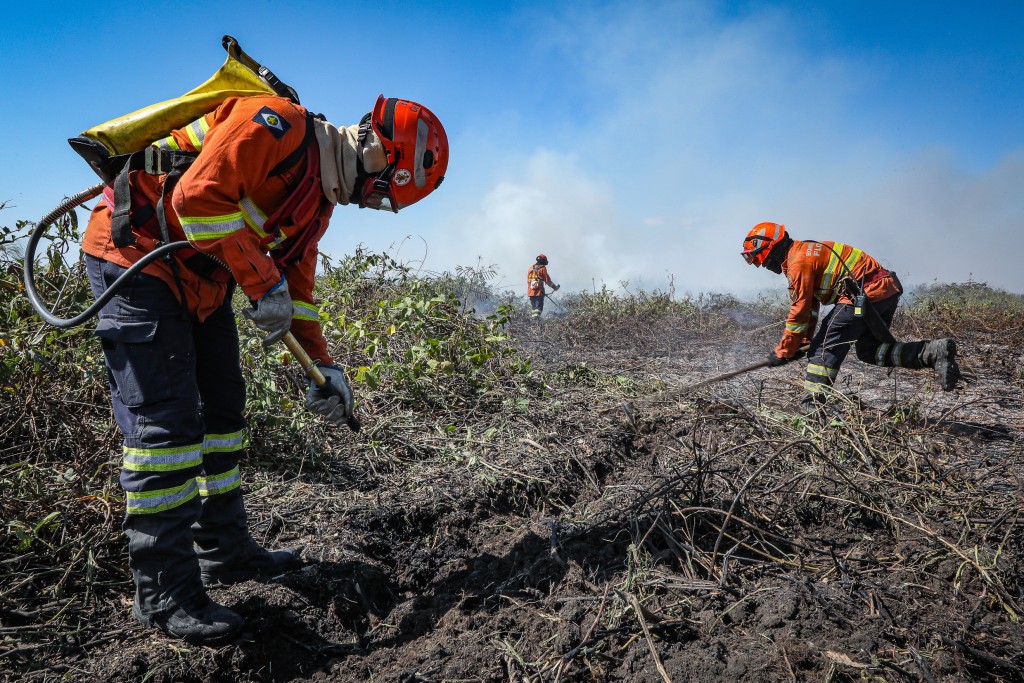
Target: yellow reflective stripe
[[828, 286], [796, 327], [850, 261], [162, 459], [211, 227], [219, 483], [815, 387], [814, 369], [225, 443], [254, 216], [883, 349], [303, 311], [167, 143], [148, 502], [196, 132]]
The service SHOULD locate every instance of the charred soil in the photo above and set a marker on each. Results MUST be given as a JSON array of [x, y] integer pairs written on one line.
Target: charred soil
[[593, 523]]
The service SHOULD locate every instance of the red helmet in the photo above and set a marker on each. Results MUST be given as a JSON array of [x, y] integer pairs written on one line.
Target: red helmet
[[417, 151], [542, 260], [760, 240]]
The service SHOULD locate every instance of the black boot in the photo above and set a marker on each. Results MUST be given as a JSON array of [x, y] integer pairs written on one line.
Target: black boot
[[196, 620], [941, 355], [227, 553], [168, 591]]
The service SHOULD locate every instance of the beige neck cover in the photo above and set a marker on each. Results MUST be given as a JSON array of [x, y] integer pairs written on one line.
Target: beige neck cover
[[339, 153]]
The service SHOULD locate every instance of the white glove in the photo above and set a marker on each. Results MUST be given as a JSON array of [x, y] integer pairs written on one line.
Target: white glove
[[334, 399], [273, 312]]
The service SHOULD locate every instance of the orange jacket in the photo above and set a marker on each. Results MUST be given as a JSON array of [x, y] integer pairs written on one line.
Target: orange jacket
[[816, 277], [220, 205], [535, 279]]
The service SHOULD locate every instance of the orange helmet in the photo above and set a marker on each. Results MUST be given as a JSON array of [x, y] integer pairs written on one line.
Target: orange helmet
[[760, 240], [542, 260], [417, 151]]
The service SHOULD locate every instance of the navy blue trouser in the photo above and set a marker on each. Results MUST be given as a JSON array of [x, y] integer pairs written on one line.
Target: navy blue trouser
[[840, 330], [178, 397], [537, 305]]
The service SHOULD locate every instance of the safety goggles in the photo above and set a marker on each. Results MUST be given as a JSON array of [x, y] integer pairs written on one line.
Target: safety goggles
[[751, 255]]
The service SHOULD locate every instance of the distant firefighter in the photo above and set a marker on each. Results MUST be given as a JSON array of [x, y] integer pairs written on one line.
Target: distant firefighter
[[536, 277], [865, 296]]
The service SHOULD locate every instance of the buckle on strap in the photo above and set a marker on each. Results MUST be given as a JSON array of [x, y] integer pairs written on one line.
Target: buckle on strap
[[155, 163]]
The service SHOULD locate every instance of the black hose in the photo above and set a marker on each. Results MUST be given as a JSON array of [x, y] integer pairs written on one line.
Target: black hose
[[28, 275]]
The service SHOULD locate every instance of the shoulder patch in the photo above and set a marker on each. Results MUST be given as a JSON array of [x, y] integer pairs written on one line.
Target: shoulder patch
[[272, 121]]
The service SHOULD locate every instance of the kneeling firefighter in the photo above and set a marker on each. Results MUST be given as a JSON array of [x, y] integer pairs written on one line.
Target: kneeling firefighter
[[248, 189], [865, 296]]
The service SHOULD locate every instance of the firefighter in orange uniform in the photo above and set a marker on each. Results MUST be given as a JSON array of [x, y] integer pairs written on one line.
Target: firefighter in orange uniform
[[865, 296], [536, 277], [262, 176]]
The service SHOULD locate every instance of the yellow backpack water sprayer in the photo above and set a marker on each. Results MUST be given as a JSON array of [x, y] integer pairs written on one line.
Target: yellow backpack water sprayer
[[109, 147]]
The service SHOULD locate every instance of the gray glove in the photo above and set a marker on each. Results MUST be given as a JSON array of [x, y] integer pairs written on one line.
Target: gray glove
[[334, 399], [556, 287], [273, 313]]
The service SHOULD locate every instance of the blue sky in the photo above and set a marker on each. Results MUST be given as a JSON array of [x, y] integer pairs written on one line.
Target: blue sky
[[629, 141]]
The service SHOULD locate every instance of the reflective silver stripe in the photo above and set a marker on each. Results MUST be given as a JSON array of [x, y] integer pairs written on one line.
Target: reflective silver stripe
[[897, 354], [162, 459], [211, 227], [253, 215], [196, 132], [167, 143], [825, 288], [419, 173], [303, 311], [148, 502], [883, 349], [225, 443], [833, 275], [219, 483]]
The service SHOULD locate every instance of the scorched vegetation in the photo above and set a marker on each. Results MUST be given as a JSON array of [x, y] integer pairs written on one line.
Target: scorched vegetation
[[542, 502]]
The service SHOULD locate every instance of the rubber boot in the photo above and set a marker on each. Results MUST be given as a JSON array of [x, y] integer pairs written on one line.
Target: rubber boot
[[941, 355], [227, 553], [169, 594], [197, 620]]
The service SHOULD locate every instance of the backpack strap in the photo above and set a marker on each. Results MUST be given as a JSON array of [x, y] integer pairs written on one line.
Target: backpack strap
[[155, 162], [294, 157]]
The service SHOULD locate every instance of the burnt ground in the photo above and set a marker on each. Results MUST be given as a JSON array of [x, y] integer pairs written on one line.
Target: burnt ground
[[601, 529]]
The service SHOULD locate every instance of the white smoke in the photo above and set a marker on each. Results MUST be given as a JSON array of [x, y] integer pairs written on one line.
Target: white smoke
[[677, 129]]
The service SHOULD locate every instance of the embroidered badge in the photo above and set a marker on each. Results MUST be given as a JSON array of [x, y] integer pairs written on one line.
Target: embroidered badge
[[272, 121]]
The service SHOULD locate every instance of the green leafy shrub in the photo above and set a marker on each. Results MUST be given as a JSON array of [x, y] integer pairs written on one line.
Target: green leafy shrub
[[939, 307]]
